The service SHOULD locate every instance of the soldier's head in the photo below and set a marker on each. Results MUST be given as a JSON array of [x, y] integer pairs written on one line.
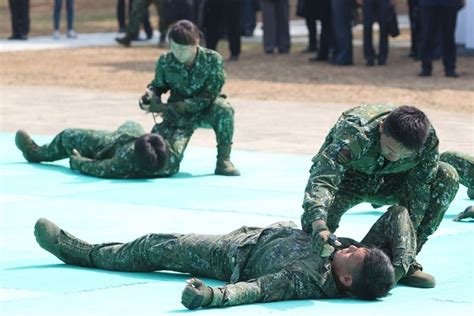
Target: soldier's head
[[184, 38], [403, 132], [366, 273], [151, 152]]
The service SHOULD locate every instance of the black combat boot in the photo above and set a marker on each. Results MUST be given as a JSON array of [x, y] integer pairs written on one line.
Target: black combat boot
[[125, 41], [63, 245], [224, 166], [415, 277], [30, 150], [470, 193]]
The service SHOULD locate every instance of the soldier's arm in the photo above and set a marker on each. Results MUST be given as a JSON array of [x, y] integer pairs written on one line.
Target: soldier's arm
[[211, 90], [283, 285], [345, 145], [419, 180], [158, 85]]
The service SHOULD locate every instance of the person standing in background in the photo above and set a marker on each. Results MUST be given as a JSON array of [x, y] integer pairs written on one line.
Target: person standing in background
[[276, 26], [375, 10], [442, 13], [122, 20], [228, 12], [20, 19], [307, 9], [341, 21], [57, 18]]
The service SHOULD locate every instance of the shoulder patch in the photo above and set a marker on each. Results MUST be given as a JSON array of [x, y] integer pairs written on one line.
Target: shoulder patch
[[344, 155]]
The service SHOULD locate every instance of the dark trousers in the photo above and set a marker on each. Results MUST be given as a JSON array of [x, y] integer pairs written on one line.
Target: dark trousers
[[325, 40], [20, 17], [445, 18], [122, 20], [415, 27], [342, 28], [376, 10], [248, 20], [312, 33], [58, 4], [276, 25], [227, 14]]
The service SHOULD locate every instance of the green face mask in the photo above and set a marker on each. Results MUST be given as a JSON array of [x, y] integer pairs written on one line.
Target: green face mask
[[183, 53]]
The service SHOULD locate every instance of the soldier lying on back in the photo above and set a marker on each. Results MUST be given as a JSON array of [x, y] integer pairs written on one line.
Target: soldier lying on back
[[262, 264], [382, 155], [125, 153]]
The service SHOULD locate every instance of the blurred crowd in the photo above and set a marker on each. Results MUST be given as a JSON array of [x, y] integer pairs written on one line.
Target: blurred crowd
[[432, 24]]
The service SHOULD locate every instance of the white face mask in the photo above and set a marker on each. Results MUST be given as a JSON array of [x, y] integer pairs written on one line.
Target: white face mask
[[185, 54]]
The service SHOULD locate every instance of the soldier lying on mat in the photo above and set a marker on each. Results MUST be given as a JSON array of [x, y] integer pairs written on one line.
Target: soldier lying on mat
[[274, 263], [125, 153]]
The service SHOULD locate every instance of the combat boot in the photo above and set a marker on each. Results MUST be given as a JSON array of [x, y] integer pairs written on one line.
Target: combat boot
[[63, 245], [470, 193], [30, 150], [415, 277], [125, 41], [224, 166]]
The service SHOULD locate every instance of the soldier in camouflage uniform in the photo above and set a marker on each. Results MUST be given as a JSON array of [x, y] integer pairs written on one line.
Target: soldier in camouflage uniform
[[119, 154], [464, 165], [194, 76], [382, 155], [136, 17], [262, 264]]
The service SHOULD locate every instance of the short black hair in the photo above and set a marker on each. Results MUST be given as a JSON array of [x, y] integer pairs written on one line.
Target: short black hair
[[151, 152], [375, 278], [184, 32], [407, 125]]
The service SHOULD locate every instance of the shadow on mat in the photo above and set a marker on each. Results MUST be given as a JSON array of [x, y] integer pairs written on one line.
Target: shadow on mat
[[67, 171]]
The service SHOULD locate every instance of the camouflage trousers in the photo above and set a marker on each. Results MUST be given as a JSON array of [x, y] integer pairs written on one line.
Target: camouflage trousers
[[356, 190], [138, 12], [90, 143], [464, 165], [211, 256], [219, 116]]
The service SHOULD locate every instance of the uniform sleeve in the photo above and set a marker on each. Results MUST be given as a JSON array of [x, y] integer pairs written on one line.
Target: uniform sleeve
[[419, 181], [345, 144], [107, 168], [280, 286], [215, 79], [158, 84]]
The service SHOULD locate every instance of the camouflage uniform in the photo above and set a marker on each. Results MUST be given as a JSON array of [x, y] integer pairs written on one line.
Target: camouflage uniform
[[464, 165], [107, 154], [199, 88], [350, 169], [262, 264], [137, 13]]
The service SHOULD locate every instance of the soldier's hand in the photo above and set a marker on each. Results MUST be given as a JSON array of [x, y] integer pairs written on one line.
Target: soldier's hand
[[145, 100], [468, 213], [323, 241], [174, 111], [196, 294], [76, 153], [157, 107]]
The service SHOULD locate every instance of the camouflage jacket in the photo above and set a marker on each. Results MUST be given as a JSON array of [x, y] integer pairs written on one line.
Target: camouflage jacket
[[196, 86], [351, 150], [277, 263], [116, 158]]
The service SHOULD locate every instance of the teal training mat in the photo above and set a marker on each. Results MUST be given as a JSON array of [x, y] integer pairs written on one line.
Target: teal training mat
[[33, 282]]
